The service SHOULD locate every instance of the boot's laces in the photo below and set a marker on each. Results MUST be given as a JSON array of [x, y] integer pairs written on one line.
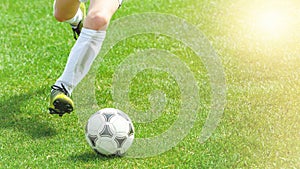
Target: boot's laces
[[62, 89]]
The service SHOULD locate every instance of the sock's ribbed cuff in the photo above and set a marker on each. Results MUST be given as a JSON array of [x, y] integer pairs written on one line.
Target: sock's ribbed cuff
[[90, 33]]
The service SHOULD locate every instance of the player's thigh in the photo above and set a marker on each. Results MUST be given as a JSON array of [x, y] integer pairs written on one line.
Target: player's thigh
[[104, 7], [99, 13], [65, 9]]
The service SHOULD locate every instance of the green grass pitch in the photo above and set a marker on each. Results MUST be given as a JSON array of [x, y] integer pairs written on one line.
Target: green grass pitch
[[261, 121]]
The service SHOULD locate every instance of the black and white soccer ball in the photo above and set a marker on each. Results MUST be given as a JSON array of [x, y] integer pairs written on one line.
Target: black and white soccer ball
[[109, 132]]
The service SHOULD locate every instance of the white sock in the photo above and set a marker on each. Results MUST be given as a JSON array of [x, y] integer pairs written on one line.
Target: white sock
[[81, 58], [76, 19]]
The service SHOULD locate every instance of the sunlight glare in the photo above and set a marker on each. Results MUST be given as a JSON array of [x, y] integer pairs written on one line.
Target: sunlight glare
[[272, 22], [269, 20]]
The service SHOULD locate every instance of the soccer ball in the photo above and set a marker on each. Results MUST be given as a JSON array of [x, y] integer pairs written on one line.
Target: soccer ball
[[109, 132]]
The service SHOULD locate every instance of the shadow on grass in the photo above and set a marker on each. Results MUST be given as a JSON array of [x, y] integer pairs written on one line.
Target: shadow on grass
[[92, 156], [19, 113]]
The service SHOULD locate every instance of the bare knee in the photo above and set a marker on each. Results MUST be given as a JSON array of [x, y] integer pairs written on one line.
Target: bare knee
[[59, 17], [96, 21], [65, 9]]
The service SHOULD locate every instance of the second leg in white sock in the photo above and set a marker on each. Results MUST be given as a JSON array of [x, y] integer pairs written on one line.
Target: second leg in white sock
[[81, 58], [76, 19]]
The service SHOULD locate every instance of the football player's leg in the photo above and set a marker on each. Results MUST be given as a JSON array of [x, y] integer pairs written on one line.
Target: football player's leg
[[88, 44]]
